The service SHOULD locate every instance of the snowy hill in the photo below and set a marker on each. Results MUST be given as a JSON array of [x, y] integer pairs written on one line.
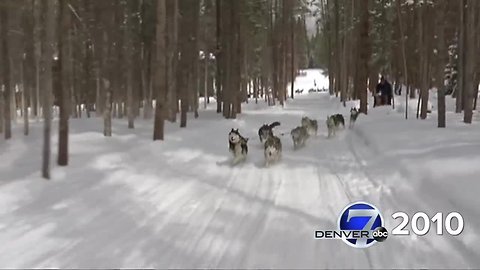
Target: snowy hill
[[129, 202]]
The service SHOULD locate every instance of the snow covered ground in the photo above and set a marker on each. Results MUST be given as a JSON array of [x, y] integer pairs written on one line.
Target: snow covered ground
[[310, 78], [129, 202]]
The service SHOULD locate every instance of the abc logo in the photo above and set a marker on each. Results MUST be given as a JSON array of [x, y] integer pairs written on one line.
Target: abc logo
[[361, 216], [380, 234]]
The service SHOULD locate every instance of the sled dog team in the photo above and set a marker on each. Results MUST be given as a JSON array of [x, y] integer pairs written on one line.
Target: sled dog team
[[273, 145]]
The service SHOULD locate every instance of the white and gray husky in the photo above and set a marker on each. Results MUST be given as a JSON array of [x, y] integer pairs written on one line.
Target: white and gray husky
[[353, 116], [311, 125], [333, 123], [330, 126], [272, 150], [299, 137], [237, 146]]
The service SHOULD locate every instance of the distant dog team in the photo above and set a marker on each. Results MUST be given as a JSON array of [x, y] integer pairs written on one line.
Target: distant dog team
[[272, 145]]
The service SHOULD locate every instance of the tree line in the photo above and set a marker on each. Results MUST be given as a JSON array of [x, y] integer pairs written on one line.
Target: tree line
[[418, 43]]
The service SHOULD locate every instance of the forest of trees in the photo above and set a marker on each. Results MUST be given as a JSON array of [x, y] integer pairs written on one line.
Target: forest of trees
[[155, 59], [418, 43], [122, 58]]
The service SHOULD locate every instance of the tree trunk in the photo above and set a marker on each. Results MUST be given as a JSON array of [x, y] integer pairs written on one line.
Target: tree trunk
[[219, 56], [24, 99], [205, 77], [441, 108], [107, 113], [226, 37], [338, 55], [147, 84], [237, 54], [172, 66], [363, 56], [161, 56], [195, 78], [47, 53], [469, 60], [187, 55], [130, 102], [475, 92], [37, 55], [7, 120], [65, 75], [292, 53], [2, 110], [425, 59], [129, 61], [404, 55], [346, 52], [29, 63], [461, 61]]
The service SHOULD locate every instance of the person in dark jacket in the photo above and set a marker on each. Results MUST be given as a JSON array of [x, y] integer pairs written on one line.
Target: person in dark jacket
[[384, 89]]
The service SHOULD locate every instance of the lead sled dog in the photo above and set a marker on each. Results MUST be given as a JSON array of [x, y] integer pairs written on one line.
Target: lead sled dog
[[237, 145]]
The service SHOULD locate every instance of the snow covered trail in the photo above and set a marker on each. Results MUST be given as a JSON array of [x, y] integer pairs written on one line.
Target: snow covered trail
[[128, 202]]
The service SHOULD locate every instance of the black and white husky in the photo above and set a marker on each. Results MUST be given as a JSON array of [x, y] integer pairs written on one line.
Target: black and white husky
[[272, 150], [299, 137], [353, 116], [266, 130], [311, 125], [237, 146], [339, 120]]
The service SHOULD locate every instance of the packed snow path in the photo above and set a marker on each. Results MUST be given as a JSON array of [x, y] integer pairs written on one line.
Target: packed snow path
[[128, 202]]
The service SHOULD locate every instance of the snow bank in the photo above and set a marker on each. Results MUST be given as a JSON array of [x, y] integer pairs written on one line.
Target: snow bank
[[436, 166]]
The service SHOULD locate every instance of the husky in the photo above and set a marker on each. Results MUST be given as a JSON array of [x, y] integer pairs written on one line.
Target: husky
[[353, 116], [330, 126], [273, 150], [339, 120], [311, 125], [266, 130], [237, 146], [299, 137]]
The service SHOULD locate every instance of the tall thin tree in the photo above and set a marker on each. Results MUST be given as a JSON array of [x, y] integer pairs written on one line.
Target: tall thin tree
[[6, 71], [65, 75], [160, 70], [469, 60], [48, 7]]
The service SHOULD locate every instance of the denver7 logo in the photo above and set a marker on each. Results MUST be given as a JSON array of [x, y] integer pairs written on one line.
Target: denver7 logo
[[360, 216]]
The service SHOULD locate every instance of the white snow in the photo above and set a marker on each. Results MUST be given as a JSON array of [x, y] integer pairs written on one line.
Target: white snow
[[129, 202], [308, 79]]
